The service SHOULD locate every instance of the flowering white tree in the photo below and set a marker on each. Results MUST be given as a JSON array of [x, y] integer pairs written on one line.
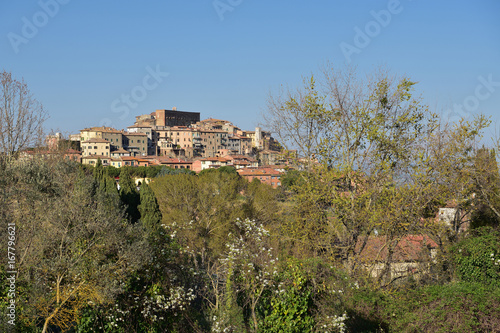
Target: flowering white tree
[[250, 264]]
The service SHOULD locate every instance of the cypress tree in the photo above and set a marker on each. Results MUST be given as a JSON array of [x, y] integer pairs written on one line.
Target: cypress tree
[[109, 186], [98, 171], [148, 209], [128, 194]]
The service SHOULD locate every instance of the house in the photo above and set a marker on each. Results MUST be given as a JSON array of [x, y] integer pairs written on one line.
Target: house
[[116, 162], [150, 134], [73, 155], [453, 217], [212, 163], [174, 163], [271, 157], [119, 153], [96, 146], [113, 136], [268, 176], [241, 161], [135, 143], [92, 159], [411, 255], [129, 161]]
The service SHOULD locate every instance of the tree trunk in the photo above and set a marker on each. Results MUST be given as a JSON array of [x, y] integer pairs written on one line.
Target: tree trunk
[[254, 317]]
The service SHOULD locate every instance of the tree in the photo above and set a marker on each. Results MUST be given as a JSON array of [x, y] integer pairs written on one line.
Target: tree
[[462, 172], [21, 116], [359, 142], [75, 247], [128, 194], [200, 209], [149, 210], [247, 270], [298, 119]]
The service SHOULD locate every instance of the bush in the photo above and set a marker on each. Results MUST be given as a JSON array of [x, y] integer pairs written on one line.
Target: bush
[[477, 257]]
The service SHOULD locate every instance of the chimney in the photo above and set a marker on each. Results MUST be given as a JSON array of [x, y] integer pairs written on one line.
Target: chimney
[[174, 108]]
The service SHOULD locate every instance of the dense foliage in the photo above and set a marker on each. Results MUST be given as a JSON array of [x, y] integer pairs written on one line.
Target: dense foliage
[[354, 241]]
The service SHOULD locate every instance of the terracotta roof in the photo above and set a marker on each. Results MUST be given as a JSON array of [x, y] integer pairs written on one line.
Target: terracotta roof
[[72, 151], [211, 120], [175, 161], [120, 151], [258, 172], [101, 129], [237, 157], [213, 159], [409, 248], [95, 157]]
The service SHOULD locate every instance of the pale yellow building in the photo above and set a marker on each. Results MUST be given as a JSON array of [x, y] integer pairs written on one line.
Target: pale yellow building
[[92, 159], [96, 146], [113, 136]]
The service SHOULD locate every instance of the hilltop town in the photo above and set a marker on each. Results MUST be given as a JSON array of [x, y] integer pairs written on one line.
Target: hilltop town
[[180, 140]]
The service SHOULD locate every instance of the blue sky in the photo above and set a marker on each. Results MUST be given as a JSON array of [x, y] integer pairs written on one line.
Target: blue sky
[[223, 57]]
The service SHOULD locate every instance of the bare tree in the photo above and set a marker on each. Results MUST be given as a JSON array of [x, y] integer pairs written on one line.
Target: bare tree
[[21, 116]]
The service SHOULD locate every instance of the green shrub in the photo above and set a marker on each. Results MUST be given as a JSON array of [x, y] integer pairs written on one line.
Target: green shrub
[[477, 257]]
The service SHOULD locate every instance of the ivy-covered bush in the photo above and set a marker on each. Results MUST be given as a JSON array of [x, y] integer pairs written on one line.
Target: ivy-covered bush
[[477, 257]]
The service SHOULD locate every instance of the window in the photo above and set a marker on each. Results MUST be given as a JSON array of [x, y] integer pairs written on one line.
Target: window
[[90, 147], [95, 147]]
